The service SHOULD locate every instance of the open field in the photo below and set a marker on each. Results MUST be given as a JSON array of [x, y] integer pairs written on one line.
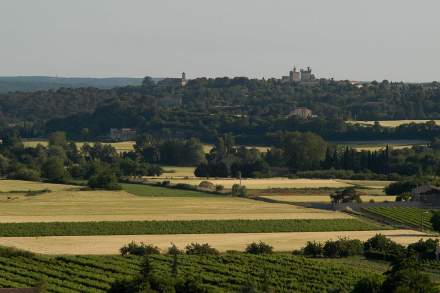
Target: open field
[[370, 184], [325, 198], [407, 216], [122, 146], [20, 185], [265, 183], [96, 273], [392, 123], [376, 145], [183, 227], [73, 245], [80, 206], [177, 172]]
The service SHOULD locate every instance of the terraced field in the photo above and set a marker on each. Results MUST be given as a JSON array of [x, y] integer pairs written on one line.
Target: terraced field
[[95, 273], [413, 217]]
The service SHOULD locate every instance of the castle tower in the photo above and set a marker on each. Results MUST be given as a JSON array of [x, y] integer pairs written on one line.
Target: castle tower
[[296, 75]]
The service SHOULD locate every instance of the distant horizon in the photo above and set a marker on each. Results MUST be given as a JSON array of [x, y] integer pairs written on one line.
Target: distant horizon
[[346, 40], [189, 78]]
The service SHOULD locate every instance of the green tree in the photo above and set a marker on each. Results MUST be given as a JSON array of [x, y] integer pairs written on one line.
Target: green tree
[[435, 221], [58, 138], [53, 169], [104, 178]]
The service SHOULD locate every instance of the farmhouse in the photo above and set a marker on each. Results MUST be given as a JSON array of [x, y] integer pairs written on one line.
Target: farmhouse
[[302, 113], [427, 194]]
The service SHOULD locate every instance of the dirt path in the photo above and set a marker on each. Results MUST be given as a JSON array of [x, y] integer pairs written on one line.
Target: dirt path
[[232, 241]]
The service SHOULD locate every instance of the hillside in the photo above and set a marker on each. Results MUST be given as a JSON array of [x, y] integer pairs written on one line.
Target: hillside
[[38, 83]]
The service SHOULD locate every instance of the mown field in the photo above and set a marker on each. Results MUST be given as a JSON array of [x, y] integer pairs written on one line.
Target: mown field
[[110, 244], [408, 216], [74, 205], [182, 227], [225, 273], [265, 183]]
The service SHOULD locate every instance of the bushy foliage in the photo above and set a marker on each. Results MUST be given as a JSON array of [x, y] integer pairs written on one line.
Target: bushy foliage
[[381, 247], [239, 190], [313, 249], [424, 249], [141, 249], [346, 195], [104, 178], [435, 221], [200, 249], [259, 248], [371, 284], [207, 185], [342, 248]]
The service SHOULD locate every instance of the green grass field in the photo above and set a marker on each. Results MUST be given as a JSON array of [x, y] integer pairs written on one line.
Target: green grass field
[[225, 273], [157, 191], [183, 227], [413, 217]]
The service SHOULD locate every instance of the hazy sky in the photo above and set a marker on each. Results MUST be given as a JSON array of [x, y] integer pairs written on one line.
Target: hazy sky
[[344, 39]]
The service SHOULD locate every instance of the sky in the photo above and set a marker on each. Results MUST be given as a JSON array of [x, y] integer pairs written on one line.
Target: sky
[[398, 40]]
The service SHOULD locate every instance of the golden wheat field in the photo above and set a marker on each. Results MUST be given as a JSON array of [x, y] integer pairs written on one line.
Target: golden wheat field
[[177, 172], [74, 245], [265, 183], [392, 123], [76, 206], [20, 185]]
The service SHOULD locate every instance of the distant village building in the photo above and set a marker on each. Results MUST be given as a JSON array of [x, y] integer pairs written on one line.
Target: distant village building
[[302, 113], [175, 82], [426, 194], [122, 134]]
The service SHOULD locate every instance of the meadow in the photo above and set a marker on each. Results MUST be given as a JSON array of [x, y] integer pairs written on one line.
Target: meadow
[[183, 227], [96, 273], [75, 205], [265, 183], [110, 244]]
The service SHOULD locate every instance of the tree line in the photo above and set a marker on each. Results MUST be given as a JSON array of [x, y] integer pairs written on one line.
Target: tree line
[[207, 108]]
